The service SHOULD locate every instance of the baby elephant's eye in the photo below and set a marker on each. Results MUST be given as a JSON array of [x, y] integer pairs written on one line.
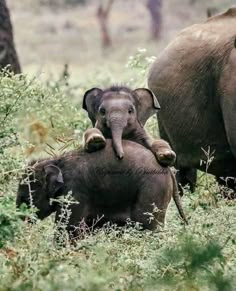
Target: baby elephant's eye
[[102, 111], [131, 110]]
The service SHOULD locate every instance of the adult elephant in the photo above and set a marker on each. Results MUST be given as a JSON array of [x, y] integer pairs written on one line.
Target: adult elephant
[[194, 80]]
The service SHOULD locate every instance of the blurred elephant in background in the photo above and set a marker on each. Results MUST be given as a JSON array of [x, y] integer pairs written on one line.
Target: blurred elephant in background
[[194, 79]]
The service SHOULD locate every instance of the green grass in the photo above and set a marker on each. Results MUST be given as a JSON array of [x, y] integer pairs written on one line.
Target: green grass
[[40, 115], [201, 256]]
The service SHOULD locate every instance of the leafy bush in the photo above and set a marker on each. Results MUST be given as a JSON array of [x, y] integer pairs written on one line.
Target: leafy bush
[[10, 222], [47, 116], [192, 264], [31, 113]]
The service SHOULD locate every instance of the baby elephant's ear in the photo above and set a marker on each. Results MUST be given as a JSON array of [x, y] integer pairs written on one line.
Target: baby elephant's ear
[[147, 104], [91, 102], [54, 179]]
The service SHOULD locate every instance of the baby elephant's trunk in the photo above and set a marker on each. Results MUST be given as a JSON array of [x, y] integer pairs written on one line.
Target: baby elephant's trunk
[[117, 141], [117, 126]]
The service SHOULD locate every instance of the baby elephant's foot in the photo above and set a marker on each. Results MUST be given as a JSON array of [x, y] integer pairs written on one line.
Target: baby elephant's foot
[[163, 152], [166, 158], [93, 140]]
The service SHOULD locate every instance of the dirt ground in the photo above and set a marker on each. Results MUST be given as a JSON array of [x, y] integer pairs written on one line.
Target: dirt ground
[[46, 39]]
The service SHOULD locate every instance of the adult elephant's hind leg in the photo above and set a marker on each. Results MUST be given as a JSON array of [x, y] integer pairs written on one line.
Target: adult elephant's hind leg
[[186, 177], [228, 105], [228, 99]]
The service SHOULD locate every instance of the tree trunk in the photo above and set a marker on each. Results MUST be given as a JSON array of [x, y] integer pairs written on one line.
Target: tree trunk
[[154, 7], [8, 55], [102, 15]]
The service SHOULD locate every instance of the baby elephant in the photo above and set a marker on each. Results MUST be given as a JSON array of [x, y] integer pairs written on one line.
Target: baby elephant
[[135, 188], [121, 113]]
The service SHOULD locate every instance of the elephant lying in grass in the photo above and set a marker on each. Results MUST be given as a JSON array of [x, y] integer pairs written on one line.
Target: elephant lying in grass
[[194, 79], [115, 190]]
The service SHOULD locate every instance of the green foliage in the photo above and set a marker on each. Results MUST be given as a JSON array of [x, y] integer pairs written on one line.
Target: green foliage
[[195, 264], [139, 63], [199, 257], [25, 101], [10, 220]]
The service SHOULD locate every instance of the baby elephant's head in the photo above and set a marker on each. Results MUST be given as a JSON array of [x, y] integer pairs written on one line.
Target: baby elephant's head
[[38, 185], [117, 111]]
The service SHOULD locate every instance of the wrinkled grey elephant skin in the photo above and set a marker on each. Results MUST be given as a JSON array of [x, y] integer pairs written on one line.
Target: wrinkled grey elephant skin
[[194, 79], [104, 186]]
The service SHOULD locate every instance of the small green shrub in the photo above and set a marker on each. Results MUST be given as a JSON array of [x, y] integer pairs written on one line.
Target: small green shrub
[[11, 223], [192, 264], [201, 256]]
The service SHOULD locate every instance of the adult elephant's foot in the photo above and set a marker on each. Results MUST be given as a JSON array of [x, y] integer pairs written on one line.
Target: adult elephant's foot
[[186, 177], [163, 152], [93, 140]]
